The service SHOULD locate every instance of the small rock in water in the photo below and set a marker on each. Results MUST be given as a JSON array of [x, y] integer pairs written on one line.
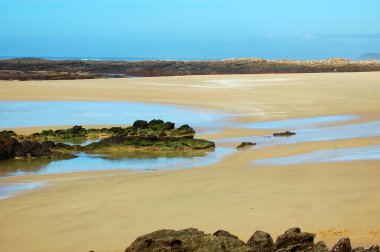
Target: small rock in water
[[245, 145], [283, 134]]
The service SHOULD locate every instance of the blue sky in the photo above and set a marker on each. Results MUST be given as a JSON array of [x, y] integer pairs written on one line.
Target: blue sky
[[190, 29]]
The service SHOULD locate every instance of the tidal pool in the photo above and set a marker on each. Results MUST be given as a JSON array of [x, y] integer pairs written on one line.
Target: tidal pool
[[15, 114], [323, 156], [134, 161], [328, 133], [298, 123]]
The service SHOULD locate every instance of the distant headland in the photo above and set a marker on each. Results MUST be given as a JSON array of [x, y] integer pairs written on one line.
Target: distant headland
[[45, 69]]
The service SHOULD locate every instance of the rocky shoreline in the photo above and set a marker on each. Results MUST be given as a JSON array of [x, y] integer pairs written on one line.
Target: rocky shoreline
[[193, 240], [41, 69]]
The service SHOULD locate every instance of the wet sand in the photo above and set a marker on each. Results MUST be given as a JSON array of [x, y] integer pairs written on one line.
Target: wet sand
[[105, 211]]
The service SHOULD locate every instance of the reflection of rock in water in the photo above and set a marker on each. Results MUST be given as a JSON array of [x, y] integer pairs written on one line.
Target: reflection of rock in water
[[12, 166], [152, 154]]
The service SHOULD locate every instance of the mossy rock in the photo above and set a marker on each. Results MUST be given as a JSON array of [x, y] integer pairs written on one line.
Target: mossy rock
[[153, 142], [8, 133]]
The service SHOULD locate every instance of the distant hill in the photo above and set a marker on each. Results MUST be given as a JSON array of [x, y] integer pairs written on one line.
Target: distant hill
[[370, 56]]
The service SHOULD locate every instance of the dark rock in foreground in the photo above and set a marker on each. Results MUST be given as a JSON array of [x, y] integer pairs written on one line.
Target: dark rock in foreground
[[284, 134], [244, 145], [343, 245], [186, 240], [294, 240], [261, 242], [193, 240]]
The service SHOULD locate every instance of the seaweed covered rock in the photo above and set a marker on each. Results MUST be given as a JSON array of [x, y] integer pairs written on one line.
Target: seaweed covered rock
[[149, 142], [155, 127], [186, 240], [74, 132], [140, 124], [8, 133], [184, 131]]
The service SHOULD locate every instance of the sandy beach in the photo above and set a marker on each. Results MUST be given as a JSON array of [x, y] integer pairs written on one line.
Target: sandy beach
[[107, 210]]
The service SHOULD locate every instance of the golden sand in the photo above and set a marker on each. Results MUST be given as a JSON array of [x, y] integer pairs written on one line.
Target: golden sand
[[107, 210]]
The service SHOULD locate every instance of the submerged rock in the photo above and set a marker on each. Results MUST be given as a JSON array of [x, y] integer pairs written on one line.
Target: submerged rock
[[283, 134]]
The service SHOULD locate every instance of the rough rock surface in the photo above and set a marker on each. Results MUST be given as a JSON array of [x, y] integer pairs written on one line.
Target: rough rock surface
[[8, 147], [261, 242], [11, 148], [294, 240], [343, 245], [185, 241], [189, 240]]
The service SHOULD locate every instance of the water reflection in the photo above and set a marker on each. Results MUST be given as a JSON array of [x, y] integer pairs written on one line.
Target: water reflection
[[142, 161], [18, 167]]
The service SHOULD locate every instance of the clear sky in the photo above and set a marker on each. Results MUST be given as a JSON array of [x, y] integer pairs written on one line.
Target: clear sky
[[190, 29]]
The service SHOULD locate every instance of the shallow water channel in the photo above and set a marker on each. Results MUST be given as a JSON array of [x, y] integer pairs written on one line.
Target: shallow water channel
[[52, 113]]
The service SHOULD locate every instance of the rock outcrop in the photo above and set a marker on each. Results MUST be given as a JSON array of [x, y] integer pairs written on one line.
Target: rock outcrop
[[193, 240], [150, 143], [155, 127], [41, 69]]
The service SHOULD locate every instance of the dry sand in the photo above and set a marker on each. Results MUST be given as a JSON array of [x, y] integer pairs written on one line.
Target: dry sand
[[105, 211]]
